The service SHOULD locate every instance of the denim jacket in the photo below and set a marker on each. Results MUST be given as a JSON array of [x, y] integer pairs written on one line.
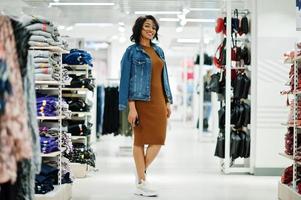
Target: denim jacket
[[135, 81]]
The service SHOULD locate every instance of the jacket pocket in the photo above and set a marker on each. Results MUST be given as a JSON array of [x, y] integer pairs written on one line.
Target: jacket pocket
[[139, 74]]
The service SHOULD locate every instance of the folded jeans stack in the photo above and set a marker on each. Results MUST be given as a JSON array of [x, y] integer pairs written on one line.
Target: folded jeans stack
[[48, 67], [49, 144], [79, 130], [54, 132], [46, 179], [78, 105], [78, 82], [77, 57], [82, 154], [49, 106], [44, 33], [66, 170]]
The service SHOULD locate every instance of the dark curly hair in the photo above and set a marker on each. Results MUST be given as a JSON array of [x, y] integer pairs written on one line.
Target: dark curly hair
[[135, 37]]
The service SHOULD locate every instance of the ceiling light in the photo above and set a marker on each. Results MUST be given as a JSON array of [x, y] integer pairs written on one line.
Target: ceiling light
[[121, 29], [69, 28], [188, 40], [179, 29], [169, 19], [204, 9], [94, 24], [114, 37], [188, 20], [56, 0], [61, 27], [121, 23], [183, 22], [201, 20], [185, 11], [157, 12], [79, 4], [122, 39]]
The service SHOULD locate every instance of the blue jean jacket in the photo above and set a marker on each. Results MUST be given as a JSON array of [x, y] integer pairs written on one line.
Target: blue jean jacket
[[136, 70]]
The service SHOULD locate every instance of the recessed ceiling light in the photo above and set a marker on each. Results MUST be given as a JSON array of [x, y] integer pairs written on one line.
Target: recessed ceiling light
[[94, 24], [201, 20], [158, 12], [179, 29], [169, 19], [204, 9], [79, 4], [121, 29], [69, 28], [188, 40], [188, 20]]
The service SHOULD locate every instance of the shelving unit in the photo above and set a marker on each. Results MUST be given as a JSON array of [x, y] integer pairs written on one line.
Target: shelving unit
[[61, 191], [239, 165], [80, 170], [286, 192]]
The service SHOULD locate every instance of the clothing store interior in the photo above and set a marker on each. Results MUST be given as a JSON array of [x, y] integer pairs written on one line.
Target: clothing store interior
[[134, 99]]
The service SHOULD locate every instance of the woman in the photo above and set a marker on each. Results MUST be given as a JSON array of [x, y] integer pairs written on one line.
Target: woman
[[144, 87]]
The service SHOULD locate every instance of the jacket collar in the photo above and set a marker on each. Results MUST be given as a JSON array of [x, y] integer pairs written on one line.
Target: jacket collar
[[139, 47]]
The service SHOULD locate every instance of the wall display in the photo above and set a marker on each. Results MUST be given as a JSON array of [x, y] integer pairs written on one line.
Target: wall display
[[289, 186], [235, 134]]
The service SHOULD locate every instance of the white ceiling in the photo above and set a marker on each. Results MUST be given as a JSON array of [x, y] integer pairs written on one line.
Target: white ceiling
[[123, 11]]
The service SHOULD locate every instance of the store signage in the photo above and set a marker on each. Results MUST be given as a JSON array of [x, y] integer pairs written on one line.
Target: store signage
[[298, 15]]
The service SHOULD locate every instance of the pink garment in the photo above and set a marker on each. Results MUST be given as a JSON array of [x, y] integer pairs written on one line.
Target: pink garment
[[15, 139]]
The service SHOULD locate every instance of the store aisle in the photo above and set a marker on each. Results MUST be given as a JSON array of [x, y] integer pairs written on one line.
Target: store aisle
[[185, 169]]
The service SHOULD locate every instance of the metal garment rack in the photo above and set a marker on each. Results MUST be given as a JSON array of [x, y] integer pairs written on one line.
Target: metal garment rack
[[82, 93], [286, 192], [248, 163], [61, 192]]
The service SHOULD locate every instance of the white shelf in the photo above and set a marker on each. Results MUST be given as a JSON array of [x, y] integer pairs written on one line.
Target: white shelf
[[50, 118], [291, 61], [47, 82], [286, 156], [79, 170], [74, 95], [78, 73], [291, 125], [81, 113], [50, 48], [78, 67], [53, 154], [62, 192], [75, 89], [47, 88], [79, 137], [237, 170], [50, 155], [286, 192]]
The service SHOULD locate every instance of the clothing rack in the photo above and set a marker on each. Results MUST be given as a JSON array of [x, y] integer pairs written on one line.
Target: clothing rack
[[60, 190], [80, 170], [243, 165], [285, 191], [244, 12]]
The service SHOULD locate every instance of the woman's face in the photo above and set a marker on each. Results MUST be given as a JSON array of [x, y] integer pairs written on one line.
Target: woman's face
[[148, 29]]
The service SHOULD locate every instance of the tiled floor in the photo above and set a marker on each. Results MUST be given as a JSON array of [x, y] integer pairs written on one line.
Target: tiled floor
[[185, 170]]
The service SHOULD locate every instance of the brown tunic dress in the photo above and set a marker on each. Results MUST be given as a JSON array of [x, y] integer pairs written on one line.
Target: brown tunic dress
[[152, 114]]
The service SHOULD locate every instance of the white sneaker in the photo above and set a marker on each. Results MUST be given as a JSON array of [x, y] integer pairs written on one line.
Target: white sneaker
[[143, 189]]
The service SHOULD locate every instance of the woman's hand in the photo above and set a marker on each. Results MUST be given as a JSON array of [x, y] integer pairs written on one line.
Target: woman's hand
[[168, 110], [133, 115]]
